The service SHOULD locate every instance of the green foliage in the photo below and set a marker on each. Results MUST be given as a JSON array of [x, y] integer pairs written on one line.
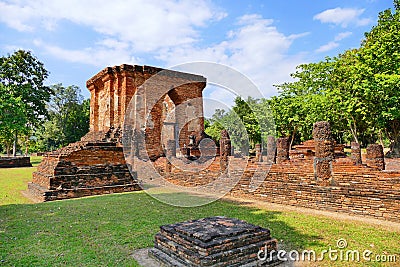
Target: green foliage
[[23, 95], [23, 76], [357, 91], [248, 123], [68, 119], [214, 126]]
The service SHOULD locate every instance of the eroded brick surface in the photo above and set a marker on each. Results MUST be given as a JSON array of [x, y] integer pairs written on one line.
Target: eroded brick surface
[[13, 162], [96, 164], [214, 241], [358, 189]]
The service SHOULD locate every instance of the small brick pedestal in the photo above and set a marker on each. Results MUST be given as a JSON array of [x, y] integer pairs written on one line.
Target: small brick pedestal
[[214, 241], [92, 166]]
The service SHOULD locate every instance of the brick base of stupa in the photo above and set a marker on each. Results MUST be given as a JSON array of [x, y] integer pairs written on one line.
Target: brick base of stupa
[[93, 166]]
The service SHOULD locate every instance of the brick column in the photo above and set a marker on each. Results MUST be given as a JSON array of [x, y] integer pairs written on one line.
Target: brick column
[[118, 120], [171, 148], [356, 153], [225, 150], [94, 108], [324, 151], [108, 118], [271, 149], [170, 151], [258, 153], [138, 144], [282, 149], [375, 157]]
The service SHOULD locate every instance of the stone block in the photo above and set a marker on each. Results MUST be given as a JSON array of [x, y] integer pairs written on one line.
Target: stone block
[[214, 241]]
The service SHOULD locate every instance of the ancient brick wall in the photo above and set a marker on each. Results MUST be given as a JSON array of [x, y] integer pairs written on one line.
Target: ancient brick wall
[[357, 189], [12, 162]]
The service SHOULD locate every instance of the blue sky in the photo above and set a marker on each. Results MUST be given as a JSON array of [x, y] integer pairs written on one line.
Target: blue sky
[[264, 40]]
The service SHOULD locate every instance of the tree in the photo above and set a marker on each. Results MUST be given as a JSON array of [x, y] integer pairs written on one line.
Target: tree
[[22, 76], [379, 58], [357, 91], [246, 111], [68, 118], [305, 101], [12, 118]]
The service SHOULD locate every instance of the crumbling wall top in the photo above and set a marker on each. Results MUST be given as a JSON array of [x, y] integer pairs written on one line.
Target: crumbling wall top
[[126, 68]]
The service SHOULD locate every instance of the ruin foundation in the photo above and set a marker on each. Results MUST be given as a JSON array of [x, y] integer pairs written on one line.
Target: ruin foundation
[[14, 162], [167, 105], [215, 241]]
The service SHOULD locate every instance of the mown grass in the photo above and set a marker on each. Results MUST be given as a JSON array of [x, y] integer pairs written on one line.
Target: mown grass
[[105, 230], [15, 180]]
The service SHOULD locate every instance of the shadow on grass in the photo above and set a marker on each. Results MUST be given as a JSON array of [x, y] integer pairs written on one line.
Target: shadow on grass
[[104, 230]]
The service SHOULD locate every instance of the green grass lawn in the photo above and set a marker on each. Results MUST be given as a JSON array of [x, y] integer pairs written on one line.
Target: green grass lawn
[[105, 230], [15, 180]]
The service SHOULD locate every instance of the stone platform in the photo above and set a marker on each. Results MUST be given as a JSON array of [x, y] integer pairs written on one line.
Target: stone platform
[[214, 241], [14, 162]]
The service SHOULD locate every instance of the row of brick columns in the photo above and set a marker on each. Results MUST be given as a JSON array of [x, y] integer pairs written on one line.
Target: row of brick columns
[[375, 157], [278, 152]]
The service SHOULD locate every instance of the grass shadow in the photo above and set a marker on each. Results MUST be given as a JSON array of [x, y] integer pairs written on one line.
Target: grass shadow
[[105, 230]]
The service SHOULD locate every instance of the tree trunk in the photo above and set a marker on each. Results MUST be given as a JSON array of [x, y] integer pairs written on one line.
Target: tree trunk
[[8, 150], [292, 138], [15, 144], [394, 151], [26, 148], [380, 139], [394, 136]]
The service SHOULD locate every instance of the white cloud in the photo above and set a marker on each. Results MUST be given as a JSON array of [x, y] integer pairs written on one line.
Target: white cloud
[[101, 55], [329, 46], [335, 43], [146, 25], [342, 36], [255, 47], [169, 31], [343, 17]]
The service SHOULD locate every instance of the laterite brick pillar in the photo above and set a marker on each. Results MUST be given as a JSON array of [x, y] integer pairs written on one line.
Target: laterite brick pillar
[[271, 149], [258, 153], [282, 149], [356, 153], [324, 152], [375, 157], [170, 152], [225, 150]]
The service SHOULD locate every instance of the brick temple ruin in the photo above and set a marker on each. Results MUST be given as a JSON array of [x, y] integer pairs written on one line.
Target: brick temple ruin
[[96, 164], [167, 115], [316, 174]]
